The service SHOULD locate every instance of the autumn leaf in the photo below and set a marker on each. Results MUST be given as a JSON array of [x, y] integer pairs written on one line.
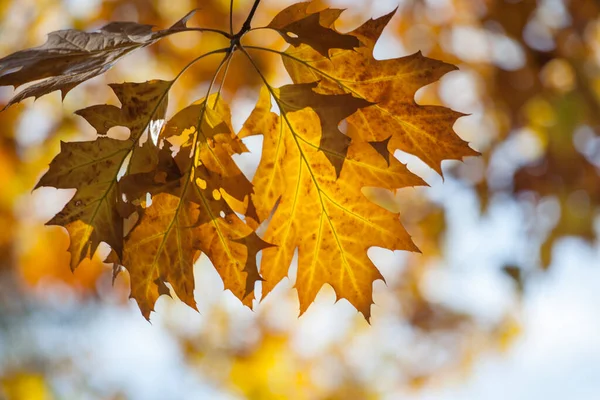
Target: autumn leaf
[[92, 216], [324, 217], [308, 28], [181, 192], [70, 57], [424, 131], [327, 218], [192, 215]]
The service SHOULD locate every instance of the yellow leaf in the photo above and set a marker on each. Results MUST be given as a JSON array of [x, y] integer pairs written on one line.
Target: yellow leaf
[[328, 219], [425, 131], [190, 215]]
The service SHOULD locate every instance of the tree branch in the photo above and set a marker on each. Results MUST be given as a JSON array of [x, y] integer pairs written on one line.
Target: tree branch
[[231, 17], [246, 26]]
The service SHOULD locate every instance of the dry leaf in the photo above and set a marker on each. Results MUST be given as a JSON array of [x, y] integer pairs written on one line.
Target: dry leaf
[[70, 57]]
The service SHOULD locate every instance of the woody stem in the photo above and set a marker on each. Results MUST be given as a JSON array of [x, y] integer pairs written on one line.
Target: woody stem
[[246, 27]]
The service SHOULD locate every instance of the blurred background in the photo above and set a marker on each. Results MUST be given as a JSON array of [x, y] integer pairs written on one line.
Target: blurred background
[[501, 304]]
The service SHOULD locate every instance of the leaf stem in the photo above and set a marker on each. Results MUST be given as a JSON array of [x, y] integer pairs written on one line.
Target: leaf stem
[[210, 86], [224, 77], [195, 60], [218, 31], [265, 48], [260, 28], [312, 67]]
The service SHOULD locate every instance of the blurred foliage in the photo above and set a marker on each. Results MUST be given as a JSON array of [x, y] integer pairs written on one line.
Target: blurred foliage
[[536, 66], [530, 75]]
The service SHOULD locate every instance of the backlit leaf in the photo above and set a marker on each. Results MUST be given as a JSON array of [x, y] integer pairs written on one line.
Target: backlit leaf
[[92, 216], [298, 26], [425, 131], [328, 219], [70, 57], [172, 191], [192, 216]]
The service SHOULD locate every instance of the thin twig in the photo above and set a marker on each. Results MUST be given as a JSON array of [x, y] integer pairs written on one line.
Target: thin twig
[[231, 18], [246, 27]]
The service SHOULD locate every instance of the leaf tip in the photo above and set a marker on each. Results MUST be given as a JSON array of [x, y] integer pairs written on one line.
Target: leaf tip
[[182, 23], [366, 313], [63, 93], [414, 247]]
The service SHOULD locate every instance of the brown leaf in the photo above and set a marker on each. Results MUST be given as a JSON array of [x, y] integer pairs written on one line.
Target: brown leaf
[[425, 131], [143, 105], [91, 216], [70, 57], [332, 110], [311, 29], [92, 167]]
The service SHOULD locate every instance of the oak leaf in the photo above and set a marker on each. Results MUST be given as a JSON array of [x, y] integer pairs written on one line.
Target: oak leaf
[[329, 220]]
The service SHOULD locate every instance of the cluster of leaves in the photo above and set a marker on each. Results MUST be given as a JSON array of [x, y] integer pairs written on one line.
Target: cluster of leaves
[[172, 191]]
